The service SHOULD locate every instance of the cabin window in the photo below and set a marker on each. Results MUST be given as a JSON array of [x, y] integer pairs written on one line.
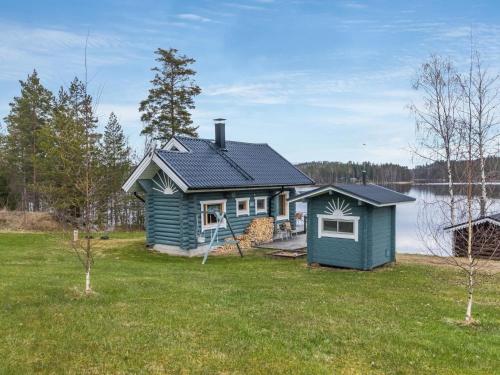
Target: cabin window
[[260, 205], [209, 216], [242, 206], [283, 206], [338, 227]]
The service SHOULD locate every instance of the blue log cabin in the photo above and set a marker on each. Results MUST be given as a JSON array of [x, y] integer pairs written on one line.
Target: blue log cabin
[[189, 179], [352, 225]]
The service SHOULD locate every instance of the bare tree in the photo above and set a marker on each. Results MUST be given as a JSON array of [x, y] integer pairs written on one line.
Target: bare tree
[[436, 117], [468, 246], [88, 180], [481, 93], [464, 247]]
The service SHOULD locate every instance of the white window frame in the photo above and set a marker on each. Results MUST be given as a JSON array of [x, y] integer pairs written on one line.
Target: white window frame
[[242, 212], [214, 225], [350, 236], [261, 210], [287, 207]]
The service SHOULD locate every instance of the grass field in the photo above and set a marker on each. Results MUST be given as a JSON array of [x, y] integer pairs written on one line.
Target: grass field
[[158, 314]]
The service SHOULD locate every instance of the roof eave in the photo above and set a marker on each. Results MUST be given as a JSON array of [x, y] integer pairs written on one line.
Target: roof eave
[[326, 189], [474, 222]]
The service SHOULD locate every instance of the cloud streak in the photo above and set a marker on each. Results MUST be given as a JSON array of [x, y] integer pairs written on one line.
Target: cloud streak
[[193, 17]]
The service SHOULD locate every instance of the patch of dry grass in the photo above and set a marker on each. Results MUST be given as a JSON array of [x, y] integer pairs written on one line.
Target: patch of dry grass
[[487, 266], [27, 221]]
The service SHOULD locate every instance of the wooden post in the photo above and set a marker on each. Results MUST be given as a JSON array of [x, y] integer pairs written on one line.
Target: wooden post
[[75, 235]]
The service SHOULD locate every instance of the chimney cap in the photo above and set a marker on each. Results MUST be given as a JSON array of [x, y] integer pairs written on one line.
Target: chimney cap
[[219, 119]]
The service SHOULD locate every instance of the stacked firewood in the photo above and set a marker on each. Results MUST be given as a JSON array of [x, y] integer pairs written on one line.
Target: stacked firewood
[[260, 230]]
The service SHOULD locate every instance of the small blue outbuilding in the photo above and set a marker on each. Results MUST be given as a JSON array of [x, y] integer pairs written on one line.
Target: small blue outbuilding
[[351, 225]]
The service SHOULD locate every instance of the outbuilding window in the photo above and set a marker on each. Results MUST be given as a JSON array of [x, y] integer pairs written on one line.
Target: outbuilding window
[[208, 214], [338, 227], [242, 206], [260, 205]]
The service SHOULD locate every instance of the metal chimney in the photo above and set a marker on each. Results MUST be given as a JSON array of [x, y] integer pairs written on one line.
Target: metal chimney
[[364, 176], [220, 133]]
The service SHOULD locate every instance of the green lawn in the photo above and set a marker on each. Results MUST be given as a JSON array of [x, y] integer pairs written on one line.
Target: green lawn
[[154, 313]]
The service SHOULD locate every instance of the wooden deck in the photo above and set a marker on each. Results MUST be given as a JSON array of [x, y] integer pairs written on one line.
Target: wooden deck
[[298, 242]]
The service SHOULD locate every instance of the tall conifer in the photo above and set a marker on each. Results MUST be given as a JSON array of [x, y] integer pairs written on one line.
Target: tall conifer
[[166, 110], [29, 115]]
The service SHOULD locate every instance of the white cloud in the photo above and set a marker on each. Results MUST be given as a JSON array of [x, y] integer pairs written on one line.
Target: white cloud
[[193, 17], [23, 48], [319, 90], [244, 6], [354, 5], [258, 93], [48, 40]]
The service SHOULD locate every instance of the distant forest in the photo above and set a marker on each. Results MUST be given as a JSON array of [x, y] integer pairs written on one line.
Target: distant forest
[[327, 172]]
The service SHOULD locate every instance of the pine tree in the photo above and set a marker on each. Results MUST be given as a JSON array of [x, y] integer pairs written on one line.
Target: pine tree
[[166, 109], [4, 186], [29, 115], [115, 164], [69, 142]]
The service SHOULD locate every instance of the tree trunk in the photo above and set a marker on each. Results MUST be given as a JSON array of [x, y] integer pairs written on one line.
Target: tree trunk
[[88, 289], [88, 262], [483, 198], [470, 270], [470, 290], [450, 190]]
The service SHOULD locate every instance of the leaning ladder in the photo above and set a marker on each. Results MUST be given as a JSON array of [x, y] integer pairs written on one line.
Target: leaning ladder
[[220, 218]]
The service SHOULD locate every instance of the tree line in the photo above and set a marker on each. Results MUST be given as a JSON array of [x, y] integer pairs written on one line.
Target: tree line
[[331, 172], [47, 141], [52, 156]]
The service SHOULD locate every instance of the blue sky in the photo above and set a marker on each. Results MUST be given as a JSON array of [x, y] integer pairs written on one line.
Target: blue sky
[[314, 79]]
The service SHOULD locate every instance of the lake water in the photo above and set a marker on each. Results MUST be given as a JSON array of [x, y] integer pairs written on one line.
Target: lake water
[[407, 214]]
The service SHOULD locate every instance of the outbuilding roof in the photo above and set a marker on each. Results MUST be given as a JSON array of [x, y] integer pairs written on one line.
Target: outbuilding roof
[[370, 193], [493, 219], [198, 164]]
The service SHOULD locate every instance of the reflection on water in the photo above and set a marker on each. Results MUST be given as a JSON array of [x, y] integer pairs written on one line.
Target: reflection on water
[[407, 240]]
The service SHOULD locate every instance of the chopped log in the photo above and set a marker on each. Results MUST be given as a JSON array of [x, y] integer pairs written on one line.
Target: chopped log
[[260, 230]]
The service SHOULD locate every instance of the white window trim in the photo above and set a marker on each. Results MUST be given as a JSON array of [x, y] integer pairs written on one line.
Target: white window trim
[[261, 210], [242, 212], [353, 219], [287, 216], [212, 226]]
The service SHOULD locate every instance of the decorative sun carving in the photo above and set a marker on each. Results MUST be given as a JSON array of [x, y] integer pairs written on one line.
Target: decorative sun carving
[[338, 208], [165, 184]]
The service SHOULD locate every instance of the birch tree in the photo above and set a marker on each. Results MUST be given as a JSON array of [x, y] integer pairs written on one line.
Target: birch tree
[[71, 145], [481, 94], [436, 117], [471, 109]]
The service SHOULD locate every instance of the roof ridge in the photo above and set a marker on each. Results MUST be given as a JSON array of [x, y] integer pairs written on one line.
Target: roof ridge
[[231, 162], [227, 140]]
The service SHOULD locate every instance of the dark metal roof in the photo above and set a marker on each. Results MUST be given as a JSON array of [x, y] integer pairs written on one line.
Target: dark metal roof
[[493, 218], [370, 193], [205, 166]]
